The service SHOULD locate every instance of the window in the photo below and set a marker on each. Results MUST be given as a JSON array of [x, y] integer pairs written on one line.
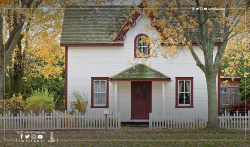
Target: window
[[99, 92], [141, 46], [184, 92]]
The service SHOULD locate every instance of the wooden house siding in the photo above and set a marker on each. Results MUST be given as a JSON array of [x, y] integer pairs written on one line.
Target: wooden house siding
[[106, 61]]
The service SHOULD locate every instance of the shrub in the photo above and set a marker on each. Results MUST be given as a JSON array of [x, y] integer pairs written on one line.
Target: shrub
[[14, 104], [53, 84], [40, 100], [81, 102]]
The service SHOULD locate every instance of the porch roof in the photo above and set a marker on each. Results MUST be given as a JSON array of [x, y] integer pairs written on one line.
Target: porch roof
[[140, 72]]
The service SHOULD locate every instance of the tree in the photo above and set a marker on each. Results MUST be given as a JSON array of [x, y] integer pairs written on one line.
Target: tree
[[236, 62], [13, 19], [179, 23], [30, 19]]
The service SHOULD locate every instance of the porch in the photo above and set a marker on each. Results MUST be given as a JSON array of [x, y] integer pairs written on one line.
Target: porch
[[137, 91]]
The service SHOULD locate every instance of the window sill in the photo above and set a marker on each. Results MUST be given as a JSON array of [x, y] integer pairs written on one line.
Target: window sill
[[184, 106], [142, 57], [98, 106]]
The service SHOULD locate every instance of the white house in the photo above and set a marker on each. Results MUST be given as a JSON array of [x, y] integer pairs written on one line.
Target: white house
[[97, 65]]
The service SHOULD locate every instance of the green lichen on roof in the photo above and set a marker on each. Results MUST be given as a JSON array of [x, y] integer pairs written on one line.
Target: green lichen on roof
[[91, 24], [140, 71], [96, 24]]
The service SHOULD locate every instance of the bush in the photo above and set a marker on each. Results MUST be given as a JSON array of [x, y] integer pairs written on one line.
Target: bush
[[55, 85], [14, 104], [81, 102], [40, 100]]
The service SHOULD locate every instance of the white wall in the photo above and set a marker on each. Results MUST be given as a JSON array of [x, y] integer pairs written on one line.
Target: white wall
[[87, 62]]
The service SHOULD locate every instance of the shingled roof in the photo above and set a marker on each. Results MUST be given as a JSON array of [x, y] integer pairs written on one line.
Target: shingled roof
[[96, 24], [91, 24], [139, 71]]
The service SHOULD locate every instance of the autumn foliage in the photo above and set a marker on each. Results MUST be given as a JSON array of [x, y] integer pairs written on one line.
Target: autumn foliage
[[181, 24], [15, 104]]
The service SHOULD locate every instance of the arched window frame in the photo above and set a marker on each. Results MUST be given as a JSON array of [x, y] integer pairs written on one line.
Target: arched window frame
[[135, 46]]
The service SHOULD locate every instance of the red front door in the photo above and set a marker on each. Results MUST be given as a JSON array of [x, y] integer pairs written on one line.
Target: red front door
[[141, 100]]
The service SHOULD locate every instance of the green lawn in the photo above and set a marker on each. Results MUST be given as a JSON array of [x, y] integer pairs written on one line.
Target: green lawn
[[139, 136]]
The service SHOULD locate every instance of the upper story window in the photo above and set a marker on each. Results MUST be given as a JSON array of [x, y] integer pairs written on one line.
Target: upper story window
[[141, 46], [184, 92]]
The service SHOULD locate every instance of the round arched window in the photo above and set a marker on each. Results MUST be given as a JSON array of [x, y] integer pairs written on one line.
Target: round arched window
[[141, 46]]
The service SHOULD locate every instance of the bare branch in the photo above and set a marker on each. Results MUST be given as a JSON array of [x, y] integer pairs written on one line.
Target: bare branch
[[195, 39], [14, 35], [221, 50], [196, 58], [200, 22]]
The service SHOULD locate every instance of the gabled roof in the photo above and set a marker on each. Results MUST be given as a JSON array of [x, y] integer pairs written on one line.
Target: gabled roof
[[93, 25], [140, 71]]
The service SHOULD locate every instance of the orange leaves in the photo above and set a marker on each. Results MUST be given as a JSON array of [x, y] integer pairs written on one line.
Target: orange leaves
[[4, 1]]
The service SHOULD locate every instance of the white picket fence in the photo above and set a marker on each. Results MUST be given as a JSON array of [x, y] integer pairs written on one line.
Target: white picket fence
[[163, 119], [236, 121], [59, 121]]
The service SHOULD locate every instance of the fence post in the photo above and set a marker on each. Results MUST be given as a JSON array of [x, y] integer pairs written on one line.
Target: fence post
[[113, 120], [119, 120], [1, 124], [4, 121], [150, 120], [248, 114], [57, 121]]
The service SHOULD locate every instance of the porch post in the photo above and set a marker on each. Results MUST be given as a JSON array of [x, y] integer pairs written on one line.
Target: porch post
[[116, 96], [163, 96]]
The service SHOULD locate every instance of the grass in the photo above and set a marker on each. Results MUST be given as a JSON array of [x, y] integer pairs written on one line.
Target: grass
[[140, 136]]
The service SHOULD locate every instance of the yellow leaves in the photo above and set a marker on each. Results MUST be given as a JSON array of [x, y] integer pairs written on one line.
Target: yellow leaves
[[185, 24], [14, 103], [130, 20], [97, 9], [225, 82], [235, 57], [130, 62], [4, 1], [246, 74], [47, 56], [149, 63], [43, 51]]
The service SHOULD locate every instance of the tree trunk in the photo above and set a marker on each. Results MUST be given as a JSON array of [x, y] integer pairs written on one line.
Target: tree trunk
[[17, 75], [2, 71], [212, 101]]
